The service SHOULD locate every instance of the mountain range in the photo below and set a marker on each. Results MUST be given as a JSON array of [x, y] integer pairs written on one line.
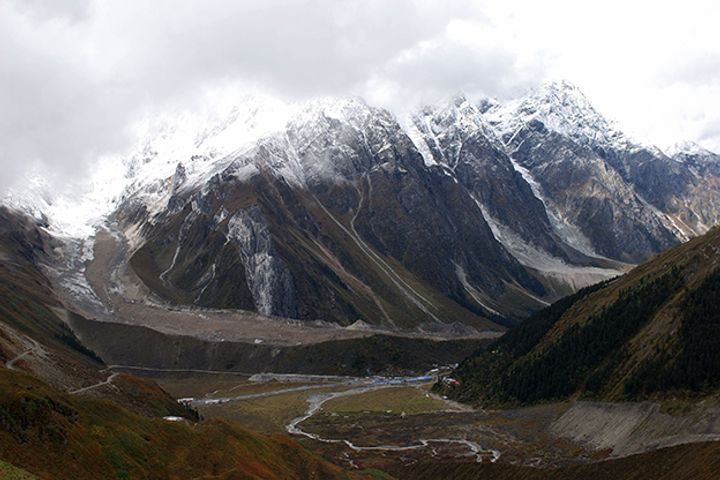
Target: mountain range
[[462, 217]]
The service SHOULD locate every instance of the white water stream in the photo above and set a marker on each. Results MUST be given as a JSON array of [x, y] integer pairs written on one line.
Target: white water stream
[[315, 403]]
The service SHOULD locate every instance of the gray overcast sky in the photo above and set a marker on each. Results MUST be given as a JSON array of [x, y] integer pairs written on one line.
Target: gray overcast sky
[[75, 74]]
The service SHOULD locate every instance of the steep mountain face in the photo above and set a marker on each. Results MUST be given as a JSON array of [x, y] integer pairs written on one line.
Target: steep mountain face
[[457, 139], [699, 204], [651, 333], [577, 161], [335, 218], [625, 199]]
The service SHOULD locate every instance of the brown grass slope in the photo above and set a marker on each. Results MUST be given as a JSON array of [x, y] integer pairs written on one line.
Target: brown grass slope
[[55, 435]]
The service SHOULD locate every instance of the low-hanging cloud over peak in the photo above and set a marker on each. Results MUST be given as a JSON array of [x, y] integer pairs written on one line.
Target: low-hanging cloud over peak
[[75, 75]]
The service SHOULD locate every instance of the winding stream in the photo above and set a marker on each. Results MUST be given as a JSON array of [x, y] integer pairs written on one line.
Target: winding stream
[[315, 403]]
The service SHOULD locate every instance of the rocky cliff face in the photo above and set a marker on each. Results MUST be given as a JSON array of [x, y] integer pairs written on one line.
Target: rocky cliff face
[[459, 141], [600, 180], [698, 205], [336, 218], [578, 162], [268, 278]]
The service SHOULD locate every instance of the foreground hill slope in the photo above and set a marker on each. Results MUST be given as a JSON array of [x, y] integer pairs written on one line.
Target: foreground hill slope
[[54, 435], [651, 333]]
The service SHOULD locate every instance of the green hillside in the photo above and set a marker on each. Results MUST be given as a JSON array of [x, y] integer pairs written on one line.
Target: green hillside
[[652, 333]]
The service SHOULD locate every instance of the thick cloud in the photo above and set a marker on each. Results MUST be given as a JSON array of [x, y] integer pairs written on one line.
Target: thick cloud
[[76, 74], [465, 57]]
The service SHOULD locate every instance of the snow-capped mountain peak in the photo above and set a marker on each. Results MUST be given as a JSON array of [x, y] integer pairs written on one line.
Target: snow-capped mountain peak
[[447, 124], [201, 140], [562, 108], [350, 110]]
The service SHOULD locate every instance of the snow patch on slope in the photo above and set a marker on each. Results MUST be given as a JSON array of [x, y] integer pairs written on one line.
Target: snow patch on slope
[[205, 143], [420, 144], [568, 232], [77, 210], [538, 259], [686, 148], [202, 140], [268, 278]]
